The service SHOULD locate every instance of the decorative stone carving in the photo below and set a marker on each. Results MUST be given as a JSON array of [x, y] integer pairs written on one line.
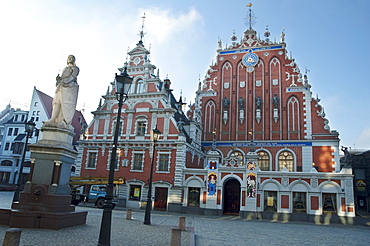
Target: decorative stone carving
[[314, 182], [241, 116], [258, 115], [349, 191], [225, 117], [285, 181]]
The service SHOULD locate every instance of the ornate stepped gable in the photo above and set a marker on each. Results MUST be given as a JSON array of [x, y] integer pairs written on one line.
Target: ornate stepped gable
[[255, 86], [150, 103]]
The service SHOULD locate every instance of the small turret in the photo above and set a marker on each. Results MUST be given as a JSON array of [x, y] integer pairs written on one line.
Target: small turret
[[267, 33], [234, 38]]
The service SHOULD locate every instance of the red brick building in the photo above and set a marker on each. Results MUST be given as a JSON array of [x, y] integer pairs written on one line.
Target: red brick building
[[150, 104], [254, 143]]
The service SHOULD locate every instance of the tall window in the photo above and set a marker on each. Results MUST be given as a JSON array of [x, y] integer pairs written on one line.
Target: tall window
[[293, 114], [140, 86], [286, 159], [10, 131], [118, 154], [209, 122], [193, 197], [18, 148], [7, 145], [15, 131], [120, 127], [141, 128], [91, 160], [4, 177], [138, 162], [163, 162], [270, 200], [264, 161], [299, 202]]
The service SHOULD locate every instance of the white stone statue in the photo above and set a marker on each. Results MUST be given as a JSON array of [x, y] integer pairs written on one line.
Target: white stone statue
[[65, 99]]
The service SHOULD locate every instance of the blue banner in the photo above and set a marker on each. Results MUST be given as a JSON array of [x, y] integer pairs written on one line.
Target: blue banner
[[257, 144], [253, 49]]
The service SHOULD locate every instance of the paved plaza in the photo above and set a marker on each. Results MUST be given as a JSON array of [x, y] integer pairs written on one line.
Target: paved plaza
[[201, 231]]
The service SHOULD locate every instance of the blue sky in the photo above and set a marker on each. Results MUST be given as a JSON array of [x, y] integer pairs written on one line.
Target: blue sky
[[329, 37]]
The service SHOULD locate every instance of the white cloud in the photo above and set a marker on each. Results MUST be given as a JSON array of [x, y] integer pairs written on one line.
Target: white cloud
[[164, 25]]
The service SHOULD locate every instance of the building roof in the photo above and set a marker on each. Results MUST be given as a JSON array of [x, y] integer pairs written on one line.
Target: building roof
[[47, 102], [20, 137], [78, 121]]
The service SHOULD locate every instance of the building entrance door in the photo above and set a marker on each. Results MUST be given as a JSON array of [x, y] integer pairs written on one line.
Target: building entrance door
[[232, 197], [160, 198]]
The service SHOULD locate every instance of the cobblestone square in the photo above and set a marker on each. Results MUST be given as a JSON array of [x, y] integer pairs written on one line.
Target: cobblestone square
[[201, 231]]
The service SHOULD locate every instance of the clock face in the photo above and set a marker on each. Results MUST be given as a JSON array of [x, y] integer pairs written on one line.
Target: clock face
[[250, 59]]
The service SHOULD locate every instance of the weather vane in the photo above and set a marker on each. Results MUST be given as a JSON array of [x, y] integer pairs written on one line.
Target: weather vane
[[250, 19], [141, 33]]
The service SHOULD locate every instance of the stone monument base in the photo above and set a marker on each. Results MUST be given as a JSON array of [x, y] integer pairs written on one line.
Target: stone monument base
[[45, 220], [46, 201]]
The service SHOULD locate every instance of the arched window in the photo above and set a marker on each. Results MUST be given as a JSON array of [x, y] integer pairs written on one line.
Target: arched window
[[121, 124], [209, 119], [141, 127], [236, 159], [293, 117], [6, 163], [264, 161], [286, 159], [226, 75], [140, 86]]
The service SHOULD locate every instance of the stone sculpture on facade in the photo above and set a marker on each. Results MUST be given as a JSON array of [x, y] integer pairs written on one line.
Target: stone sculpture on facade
[[66, 93], [258, 102], [226, 102], [275, 101], [347, 156], [241, 103]]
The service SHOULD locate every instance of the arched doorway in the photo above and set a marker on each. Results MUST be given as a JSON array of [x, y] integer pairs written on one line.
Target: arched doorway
[[232, 197]]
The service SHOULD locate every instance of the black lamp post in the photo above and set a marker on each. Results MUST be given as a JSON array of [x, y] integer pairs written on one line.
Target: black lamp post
[[29, 128], [155, 133], [123, 84]]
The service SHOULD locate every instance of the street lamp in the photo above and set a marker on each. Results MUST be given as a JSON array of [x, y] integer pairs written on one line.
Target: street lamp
[[123, 84], [29, 128], [154, 134]]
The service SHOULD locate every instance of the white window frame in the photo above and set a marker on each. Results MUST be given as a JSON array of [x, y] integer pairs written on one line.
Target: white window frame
[[133, 161], [87, 159], [159, 153]]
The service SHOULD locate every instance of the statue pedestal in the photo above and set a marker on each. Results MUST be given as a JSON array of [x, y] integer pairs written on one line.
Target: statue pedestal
[[46, 200]]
